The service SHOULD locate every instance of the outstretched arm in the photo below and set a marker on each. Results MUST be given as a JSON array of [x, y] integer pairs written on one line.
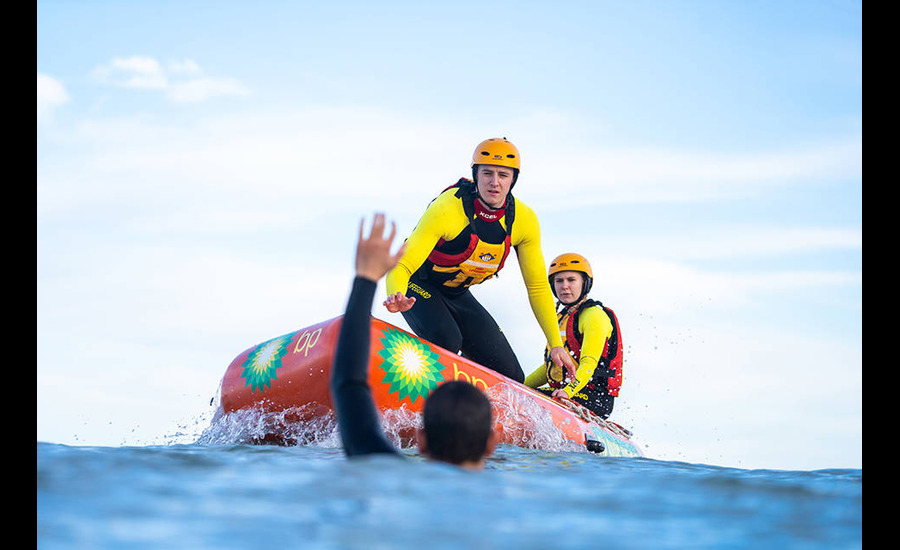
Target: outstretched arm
[[358, 420], [443, 219], [531, 263]]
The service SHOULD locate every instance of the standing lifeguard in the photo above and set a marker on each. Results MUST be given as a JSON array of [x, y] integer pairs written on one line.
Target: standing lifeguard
[[464, 238]]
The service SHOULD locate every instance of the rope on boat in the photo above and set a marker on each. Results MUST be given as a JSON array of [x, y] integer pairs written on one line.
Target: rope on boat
[[588, 416]]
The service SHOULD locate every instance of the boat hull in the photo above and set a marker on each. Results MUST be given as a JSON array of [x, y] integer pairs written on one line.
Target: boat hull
[[291, 374]]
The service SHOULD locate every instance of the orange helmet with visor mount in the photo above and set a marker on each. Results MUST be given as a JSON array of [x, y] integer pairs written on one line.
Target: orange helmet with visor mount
[[497, 152], [572, 262]]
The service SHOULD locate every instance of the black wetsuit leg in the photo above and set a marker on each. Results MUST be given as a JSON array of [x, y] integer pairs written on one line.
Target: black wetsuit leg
[[461, 324], [483, 340], [358, 420], [431, 319], [597, 400], [595, 397]]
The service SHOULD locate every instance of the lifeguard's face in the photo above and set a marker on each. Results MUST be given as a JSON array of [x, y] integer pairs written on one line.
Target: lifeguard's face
[[567, 285], [493, 184]]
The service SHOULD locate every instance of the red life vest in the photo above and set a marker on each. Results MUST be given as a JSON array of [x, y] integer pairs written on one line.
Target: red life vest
[[611, 360], [479, 260]]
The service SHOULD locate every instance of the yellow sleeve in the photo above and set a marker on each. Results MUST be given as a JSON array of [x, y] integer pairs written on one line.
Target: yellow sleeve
[[526, 238], [444, 218], [537, 378], [596, 328]]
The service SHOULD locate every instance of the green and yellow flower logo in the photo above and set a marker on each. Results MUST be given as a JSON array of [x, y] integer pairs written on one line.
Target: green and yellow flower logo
[[410, 367], [261, 363]]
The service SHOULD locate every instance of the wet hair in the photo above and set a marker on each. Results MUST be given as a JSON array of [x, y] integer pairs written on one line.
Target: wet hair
[[457, 420]]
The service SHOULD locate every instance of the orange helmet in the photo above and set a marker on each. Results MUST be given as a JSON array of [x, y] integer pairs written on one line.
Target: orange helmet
[[571, 262], [497, 152]]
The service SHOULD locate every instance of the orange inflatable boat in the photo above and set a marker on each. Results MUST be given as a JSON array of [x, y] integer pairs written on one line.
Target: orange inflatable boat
[[289, 376]]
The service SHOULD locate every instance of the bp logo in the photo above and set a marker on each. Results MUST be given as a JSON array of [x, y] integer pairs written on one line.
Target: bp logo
[[410, 367], [261, 363]]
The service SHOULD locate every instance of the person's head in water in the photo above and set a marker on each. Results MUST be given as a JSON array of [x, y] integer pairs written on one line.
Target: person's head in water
[[457, 425]]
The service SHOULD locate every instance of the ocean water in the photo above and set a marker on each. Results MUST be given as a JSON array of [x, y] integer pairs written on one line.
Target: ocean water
[[218, 494]]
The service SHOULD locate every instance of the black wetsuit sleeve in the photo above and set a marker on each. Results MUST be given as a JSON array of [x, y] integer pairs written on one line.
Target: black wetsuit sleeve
[[358, 419]]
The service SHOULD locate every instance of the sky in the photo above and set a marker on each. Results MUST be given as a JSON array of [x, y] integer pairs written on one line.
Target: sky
[[202, 169]]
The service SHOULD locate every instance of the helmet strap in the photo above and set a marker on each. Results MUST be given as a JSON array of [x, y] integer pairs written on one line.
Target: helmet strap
[[575, 304]]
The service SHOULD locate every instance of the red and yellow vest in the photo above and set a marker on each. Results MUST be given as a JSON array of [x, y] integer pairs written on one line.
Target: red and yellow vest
[[610, 362], [478, 252], [457, 244]]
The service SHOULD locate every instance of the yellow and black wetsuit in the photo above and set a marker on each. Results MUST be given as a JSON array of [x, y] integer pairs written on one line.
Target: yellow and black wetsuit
[[459, 243], [590, 332]]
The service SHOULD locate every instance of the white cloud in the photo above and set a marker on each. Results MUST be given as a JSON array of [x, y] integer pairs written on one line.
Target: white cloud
[[609, 175], [200, 89], [186, 66], [254, 163], [744, 242], [50, 94], [368, 150], [718, 241], [180, 81], [141, 72]]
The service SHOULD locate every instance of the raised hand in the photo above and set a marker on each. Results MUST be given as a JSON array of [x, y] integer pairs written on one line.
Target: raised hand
[[373, 253]]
